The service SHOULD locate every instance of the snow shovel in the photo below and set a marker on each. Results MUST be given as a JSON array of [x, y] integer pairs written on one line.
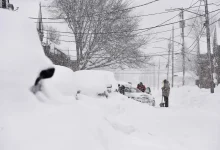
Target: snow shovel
[[162, 104]]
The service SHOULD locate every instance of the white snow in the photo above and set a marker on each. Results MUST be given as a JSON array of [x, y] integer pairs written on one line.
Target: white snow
[[190, 78], [60, 122], [63, 80]]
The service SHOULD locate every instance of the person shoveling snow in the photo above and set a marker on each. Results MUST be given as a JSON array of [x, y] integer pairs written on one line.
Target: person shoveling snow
[[165, 93]]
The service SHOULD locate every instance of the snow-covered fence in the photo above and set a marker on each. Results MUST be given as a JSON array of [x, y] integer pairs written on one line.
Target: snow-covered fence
[[59, 58]]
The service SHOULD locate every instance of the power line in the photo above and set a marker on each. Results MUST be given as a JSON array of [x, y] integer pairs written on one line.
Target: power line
[[168, 19], [194, 20], [139, 35], [52, 18], [59, 40], [192, 2], [214, 21], [161, 23], [145, 4], [177, 9], [159, 13], [136, 6], [127, 57], [64, 33], [49, 18], [148, 28], [201, 35]]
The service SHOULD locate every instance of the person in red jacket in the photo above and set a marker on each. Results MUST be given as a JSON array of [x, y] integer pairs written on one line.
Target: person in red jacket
[[141, 87]]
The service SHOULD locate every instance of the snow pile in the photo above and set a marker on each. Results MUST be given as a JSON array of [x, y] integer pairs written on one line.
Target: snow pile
[[63, 80], [20, 50], [189, 78], [178, 127], [22, 58], [29, 124], [192, 96], [92, 82]]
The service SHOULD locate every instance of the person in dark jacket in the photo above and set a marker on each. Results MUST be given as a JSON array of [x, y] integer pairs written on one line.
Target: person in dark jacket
[[166, 92], [121, 89], [141, 87]]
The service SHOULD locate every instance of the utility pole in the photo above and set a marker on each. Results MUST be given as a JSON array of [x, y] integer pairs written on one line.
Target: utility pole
[[47, 38], [208, 46], [158, 80], [172, 55], [69, 52], [182, 25], [198, 60], [154, 76], [168, 64]]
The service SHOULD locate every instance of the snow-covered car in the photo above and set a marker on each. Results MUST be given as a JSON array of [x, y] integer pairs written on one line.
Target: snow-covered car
[[138, 95], [95, 82]]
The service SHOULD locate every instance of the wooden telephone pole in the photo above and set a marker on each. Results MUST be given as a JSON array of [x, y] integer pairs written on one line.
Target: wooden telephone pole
[[172, 56], [168, 63], [208, 46], [158, 80], [182, 25]]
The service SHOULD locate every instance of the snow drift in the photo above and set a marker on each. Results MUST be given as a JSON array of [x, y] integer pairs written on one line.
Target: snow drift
[[63, 80]]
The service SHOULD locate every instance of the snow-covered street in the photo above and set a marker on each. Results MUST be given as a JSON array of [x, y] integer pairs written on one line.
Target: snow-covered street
[[115, 123]]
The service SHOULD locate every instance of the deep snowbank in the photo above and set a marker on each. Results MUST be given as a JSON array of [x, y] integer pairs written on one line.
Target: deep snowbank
[[22, 58], [192, 96], [192, 121], [64, 81], [21, 53]]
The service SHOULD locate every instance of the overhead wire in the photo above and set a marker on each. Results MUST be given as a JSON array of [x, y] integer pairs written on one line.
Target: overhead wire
[[153, 27], [200, 35], [194, 20], [49, 18], [145, 4]]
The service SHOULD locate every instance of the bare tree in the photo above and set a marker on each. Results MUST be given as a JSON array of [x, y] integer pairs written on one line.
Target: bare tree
[[53, 35], [104, 32]]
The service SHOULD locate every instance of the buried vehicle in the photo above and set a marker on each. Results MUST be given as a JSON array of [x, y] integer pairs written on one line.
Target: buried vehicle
[[140, 96]]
